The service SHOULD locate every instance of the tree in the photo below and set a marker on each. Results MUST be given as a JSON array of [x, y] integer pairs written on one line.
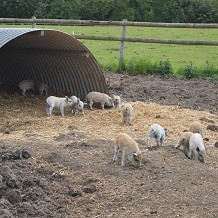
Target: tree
[[64, 9], [205, 12], [94, 9], [201, 11], [17, 8], [144, 11], [192, 11], [42, 9]]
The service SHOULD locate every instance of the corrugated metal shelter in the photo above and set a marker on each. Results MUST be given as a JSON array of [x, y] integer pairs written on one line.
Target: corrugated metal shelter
[[51, 56]]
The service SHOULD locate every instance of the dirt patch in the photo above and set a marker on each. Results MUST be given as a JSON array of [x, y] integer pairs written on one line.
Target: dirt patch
[[198, 94], [62, 166]]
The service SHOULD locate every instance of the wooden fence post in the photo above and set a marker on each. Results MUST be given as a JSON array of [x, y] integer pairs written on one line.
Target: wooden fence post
[[123, 36], [33, 24]]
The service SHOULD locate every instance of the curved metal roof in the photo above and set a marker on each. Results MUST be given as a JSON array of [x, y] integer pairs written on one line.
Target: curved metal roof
[[51, 56]]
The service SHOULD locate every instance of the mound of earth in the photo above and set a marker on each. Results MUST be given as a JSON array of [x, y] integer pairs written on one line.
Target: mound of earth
[[198, 94]]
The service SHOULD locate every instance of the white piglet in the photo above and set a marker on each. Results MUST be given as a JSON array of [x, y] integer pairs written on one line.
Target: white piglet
[[158, 132], [41, 87], [78, 106], [26, 85], [117, 101], [127, 113], [98, 97], [60, 103], [196, 147], [129, 148], [74, 100]]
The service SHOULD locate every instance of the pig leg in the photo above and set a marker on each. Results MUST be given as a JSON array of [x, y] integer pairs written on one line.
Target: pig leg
[[90, 104], [62, 111], [158, 139], [150, 141], [124, 157], [161, 141], [150, 137], [49, 109], [116, 151], [129, 120], [194, 154], [102, 105], [201, 156], [24, 92], [124, 118], [73, 111], [188, 153]]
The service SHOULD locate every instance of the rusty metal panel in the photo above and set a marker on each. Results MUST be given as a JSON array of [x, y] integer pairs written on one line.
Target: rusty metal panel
[[8, 34], [54, 57]]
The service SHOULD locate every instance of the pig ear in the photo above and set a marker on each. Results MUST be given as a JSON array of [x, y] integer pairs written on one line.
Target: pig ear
[[206, 139], [66, 98], [166, 131]]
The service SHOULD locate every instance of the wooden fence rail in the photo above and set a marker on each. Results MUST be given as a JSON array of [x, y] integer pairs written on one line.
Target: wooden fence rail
[[109, 23], [161, 41], [123, 24]]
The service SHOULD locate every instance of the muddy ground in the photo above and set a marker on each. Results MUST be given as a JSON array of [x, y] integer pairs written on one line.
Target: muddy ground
[[62, 166], [198, 94]]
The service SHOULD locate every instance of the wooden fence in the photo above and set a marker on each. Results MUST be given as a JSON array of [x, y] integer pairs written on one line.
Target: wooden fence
[[123, 25]]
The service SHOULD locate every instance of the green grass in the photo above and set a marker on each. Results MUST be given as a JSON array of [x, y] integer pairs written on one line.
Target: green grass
[[147, 67], [180, 57]]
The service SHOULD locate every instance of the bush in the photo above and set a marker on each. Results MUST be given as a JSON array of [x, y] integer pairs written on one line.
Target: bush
[[163, 68], [145, 67], [209, 71], [191, 71]]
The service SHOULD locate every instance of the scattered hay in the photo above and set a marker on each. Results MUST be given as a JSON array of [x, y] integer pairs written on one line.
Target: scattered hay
[[22, 115]]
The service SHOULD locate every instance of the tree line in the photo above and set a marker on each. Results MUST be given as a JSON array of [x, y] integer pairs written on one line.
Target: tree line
[[176, 11]]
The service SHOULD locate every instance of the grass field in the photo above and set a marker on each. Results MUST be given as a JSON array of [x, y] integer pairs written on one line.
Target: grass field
[[107, 52]]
